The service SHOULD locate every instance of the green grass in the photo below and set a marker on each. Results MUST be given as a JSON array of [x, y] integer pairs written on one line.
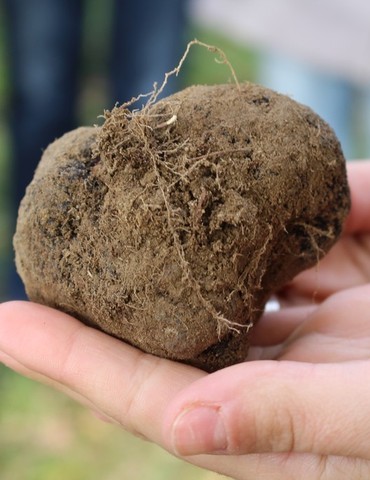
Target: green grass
[[43, 434]]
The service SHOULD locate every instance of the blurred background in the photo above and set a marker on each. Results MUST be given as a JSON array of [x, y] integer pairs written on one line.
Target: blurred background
[[62, 62]]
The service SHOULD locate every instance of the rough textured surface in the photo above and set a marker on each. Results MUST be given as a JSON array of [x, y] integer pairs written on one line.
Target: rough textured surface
[[169, 228]]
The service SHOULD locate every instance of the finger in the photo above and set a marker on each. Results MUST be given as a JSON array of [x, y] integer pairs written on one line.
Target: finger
[[359, 180], [269, 337], [124, 383], [345, 266], [274, 328], [287, 466], [271, 407], [336, 331], [21, 369]]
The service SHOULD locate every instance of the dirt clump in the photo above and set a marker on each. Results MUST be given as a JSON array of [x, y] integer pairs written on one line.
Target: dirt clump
[[170, 227]]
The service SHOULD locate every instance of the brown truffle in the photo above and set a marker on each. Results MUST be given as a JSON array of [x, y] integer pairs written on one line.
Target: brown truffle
[[170, 227]]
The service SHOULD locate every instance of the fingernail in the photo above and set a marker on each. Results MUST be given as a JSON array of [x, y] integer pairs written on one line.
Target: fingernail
[[199, 429]]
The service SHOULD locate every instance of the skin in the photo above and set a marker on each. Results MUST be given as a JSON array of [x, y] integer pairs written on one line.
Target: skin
[[300, 410]]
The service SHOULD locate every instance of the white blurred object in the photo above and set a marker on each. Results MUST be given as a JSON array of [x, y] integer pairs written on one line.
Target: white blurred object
[[272, 305], [333, 35]]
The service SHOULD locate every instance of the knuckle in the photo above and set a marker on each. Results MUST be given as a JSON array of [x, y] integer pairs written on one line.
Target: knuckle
[[276, 423], [279, 429]]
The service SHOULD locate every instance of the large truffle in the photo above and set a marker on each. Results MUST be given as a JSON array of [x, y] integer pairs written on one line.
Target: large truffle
[[170, 227]]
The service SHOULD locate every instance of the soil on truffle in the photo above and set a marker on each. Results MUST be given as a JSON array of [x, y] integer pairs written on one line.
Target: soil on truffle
[[170, 227]]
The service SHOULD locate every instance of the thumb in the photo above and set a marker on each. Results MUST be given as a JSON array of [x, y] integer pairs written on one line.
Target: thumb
[[262, 407]]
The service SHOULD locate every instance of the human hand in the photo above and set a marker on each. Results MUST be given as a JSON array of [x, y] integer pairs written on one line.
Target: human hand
[[346, 266], [303, 417]]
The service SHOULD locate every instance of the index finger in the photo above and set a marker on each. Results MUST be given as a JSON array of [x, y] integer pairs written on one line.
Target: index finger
[[110, 375]]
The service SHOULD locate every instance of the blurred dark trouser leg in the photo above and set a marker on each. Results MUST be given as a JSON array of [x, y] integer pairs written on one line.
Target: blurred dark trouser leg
[[148, 41], [44, 40]]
